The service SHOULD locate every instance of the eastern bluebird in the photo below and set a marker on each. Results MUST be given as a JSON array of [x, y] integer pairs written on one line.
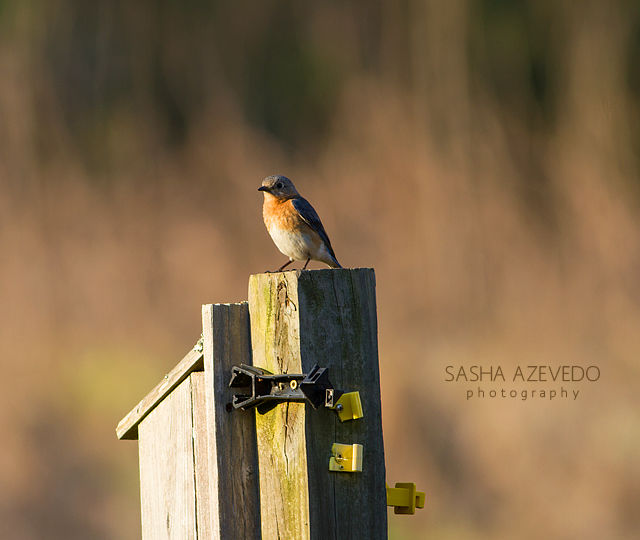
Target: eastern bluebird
[[293, 224]]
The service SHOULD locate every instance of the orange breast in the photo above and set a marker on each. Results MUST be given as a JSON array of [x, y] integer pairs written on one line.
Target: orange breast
[[280, 214]]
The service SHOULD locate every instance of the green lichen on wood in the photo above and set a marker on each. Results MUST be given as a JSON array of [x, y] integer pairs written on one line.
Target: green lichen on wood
[[274, 312]]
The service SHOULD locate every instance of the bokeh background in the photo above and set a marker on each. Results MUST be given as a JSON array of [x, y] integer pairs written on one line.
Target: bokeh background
[[482, 155]]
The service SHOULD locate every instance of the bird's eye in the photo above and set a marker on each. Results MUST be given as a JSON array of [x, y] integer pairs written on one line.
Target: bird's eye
[[279, 185]]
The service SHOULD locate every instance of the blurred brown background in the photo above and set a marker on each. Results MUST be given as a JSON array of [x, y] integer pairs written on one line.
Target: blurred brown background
[[482, 155]]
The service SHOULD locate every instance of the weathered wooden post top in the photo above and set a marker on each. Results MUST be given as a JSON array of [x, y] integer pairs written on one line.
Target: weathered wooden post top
[[309, 462]]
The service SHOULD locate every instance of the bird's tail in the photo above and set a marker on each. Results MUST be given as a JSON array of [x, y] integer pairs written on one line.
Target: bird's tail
[[333, 263]]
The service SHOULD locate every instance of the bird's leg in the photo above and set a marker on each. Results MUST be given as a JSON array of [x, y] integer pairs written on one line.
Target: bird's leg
[[305, 264], [285, 265]]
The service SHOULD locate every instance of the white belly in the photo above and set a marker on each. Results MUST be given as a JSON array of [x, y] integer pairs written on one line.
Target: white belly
[[296, 246]]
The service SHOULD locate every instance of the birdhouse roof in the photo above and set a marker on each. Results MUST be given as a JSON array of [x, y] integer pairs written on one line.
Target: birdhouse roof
[[128, 426]]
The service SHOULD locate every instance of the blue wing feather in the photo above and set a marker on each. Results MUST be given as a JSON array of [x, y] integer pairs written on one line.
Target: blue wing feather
[[311, 218]]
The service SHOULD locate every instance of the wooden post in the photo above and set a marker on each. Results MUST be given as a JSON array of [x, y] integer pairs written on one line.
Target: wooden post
[[324, 317]]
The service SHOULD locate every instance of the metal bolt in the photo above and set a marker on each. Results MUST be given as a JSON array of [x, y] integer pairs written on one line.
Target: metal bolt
[[339, 407]]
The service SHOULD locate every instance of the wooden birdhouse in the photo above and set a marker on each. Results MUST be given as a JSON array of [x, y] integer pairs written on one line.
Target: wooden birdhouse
[[293, 448]]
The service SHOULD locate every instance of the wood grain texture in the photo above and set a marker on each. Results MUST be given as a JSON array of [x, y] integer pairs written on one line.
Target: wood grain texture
[[233, 461], [128, 426], [201, 455], [324, 317], [167, 474]]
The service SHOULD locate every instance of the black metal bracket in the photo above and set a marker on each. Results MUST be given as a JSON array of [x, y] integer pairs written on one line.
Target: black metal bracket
[[264, 390]]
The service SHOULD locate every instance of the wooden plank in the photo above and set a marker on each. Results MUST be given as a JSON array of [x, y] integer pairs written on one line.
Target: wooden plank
[[201, 455], [167, 478], [128, 426], [233, 471], [284, 483], [324, 317]]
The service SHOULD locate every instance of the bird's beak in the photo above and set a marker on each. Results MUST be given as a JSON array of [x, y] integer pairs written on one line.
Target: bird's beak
[[263, 188]]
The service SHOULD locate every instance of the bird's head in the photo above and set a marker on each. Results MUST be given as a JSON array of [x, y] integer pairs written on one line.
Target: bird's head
[[278, 186]]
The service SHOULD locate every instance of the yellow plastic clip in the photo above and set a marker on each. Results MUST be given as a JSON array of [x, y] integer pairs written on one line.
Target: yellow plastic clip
[[404, 498], [349, 406], [346, 457]]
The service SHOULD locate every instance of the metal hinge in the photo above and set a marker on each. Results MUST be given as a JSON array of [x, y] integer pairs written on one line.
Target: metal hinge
[[264, 390]]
